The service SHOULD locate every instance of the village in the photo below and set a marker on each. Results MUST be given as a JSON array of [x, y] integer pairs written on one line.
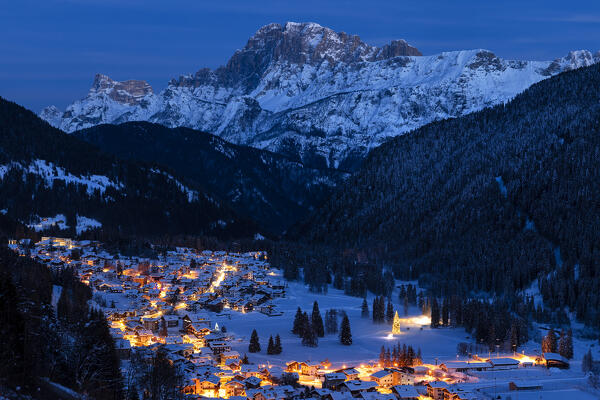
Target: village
[[199, 307]]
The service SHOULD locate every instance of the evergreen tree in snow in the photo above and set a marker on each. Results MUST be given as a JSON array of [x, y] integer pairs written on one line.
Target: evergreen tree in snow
[[317, 320], [296, 329], [271, 346], [396, 324], [445, 311], [345, 333], [309, 335], [375, 308], [565, 345], [419, 359], [331, 325], [549, 342], [389, 313], [435, 313], [278, 347], [364, 309], [587, 362], [254, 346]]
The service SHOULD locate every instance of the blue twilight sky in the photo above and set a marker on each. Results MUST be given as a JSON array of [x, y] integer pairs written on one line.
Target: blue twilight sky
[[51, 49]]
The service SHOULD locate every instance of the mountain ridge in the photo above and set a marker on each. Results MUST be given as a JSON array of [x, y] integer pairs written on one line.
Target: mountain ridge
[[275, 191], [48, 176], [317, 96]]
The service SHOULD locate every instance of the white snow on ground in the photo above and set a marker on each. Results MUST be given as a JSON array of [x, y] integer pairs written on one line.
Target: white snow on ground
[[43, 223], [367, 337], [85, 224], [556, 383], [51, 172], [56, 291]]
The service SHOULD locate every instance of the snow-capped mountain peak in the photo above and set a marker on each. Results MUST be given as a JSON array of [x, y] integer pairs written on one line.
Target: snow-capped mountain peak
[[127, 92], [319, 96]]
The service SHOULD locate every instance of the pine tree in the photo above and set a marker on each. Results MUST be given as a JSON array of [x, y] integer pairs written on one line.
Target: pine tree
[[389, 314], [271, 346], [254, 346], [382, 357], [331, 325], [549, 342], [375, 309], [410, 356], [364, 309], [396, 325], [345, 333], [309, 336], [278, 347], [297, 322], [587, 362], [445, 312], [338, 280], [245, 360], [565, 345], [405, 306], [317, 321], [435, 314]]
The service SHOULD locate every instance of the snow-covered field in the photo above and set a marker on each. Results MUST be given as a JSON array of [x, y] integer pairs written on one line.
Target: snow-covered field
[[367, 337]]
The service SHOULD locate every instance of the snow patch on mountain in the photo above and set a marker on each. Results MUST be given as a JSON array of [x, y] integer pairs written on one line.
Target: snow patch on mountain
[[42, 223], [86, 224], [51, 173]]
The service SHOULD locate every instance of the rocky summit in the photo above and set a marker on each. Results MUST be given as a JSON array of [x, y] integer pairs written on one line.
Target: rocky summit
[[318, 96]]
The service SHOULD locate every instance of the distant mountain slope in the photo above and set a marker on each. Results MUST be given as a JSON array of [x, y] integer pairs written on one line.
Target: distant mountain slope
[[48, 176], [489, 201], [318, 96], [267, 187]]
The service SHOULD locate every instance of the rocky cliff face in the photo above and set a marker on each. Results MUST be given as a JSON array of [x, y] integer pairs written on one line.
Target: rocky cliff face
[[318, 96]]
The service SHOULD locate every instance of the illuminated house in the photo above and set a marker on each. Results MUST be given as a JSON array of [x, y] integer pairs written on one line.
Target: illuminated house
[[234, 388], [356, 387], [405, 392], [383, 378], [437, 390], [208, 385], [333, 380]]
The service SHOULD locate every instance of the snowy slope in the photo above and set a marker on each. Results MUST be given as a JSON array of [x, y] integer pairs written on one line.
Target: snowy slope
[[319, 96]]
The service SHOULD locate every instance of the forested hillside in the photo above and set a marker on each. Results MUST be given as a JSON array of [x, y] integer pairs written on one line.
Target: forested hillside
[[45, 172], [45, 350], [267, 187], [486, 202]]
